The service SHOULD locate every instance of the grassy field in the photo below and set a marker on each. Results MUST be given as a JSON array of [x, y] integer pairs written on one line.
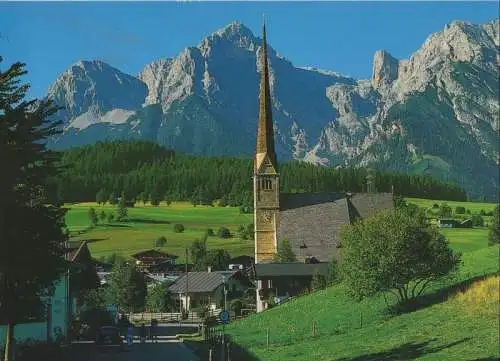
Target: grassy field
[[147, 223], [474, 207], [448, 328]]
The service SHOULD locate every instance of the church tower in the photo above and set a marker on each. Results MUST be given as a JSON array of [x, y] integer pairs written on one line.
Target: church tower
[[265, 173]]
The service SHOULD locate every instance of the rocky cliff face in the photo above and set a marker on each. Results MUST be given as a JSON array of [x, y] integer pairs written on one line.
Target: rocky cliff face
[[435, 113]]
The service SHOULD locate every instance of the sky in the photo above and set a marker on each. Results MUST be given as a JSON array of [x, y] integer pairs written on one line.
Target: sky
[[339, 36]]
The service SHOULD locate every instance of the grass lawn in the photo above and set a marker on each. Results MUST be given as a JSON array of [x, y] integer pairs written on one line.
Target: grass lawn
[[446, 329], [147, 223], [466, 239]]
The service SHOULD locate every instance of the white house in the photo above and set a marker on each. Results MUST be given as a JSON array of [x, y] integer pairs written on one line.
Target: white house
[[60, 306], [56, 320]]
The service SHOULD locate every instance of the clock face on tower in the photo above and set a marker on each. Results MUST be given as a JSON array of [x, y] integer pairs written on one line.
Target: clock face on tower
[[267, 216]]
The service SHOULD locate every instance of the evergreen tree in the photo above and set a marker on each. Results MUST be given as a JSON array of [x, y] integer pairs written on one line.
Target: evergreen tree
[[92, 217], [29, 220], [285, 253], [101, 197]]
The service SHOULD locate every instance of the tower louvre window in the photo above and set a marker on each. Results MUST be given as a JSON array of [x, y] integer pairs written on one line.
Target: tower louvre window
[[266, 184]]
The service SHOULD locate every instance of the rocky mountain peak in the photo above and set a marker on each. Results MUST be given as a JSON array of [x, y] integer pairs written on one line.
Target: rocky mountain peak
[[385, 69]]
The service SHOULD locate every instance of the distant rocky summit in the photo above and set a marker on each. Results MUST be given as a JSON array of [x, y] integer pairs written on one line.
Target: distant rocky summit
[[436, 113]]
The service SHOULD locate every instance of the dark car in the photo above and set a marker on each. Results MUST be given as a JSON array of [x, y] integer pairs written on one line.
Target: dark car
[[109, 336]]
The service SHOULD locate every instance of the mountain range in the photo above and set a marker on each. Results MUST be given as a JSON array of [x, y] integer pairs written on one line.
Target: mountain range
[[436, 113]]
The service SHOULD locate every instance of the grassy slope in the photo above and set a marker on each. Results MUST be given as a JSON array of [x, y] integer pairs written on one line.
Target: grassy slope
[[441, 331], [140, 233]]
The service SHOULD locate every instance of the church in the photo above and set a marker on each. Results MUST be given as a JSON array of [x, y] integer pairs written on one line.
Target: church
[[310, 222]]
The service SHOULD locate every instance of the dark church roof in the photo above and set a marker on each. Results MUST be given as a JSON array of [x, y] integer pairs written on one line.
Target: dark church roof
[[312, 222]]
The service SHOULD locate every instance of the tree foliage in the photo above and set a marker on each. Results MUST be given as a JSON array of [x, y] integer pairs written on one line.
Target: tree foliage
[[161, 241], [224, 232], [218, 259], [31, 220], [159, 298], [285, 253], [393, 251], [179, 228], [127, 287], [477, 220], [137, 166]]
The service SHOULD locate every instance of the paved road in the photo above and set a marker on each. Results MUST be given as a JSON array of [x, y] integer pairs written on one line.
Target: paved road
[[167, 350]]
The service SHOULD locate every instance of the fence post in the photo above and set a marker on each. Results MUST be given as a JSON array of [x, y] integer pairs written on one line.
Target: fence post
[[314, 328], [267, 338], [361, 319], [210, 354]]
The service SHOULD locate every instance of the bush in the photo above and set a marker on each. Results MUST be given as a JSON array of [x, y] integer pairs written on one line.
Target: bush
[[160, 242], [460, 210], [445, 210], [223, 232], [209, 232], [111, 217], [477, 221], [179, 228], [482, 212]]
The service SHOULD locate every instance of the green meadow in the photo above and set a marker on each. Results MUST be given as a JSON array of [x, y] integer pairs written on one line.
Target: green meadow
[[447, 327], [147, 223]]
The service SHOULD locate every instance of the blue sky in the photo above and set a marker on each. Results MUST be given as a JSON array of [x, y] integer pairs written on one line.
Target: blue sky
[[338, 36]]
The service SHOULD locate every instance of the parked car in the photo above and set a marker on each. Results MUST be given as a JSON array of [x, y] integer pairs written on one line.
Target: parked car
[[109, 336]]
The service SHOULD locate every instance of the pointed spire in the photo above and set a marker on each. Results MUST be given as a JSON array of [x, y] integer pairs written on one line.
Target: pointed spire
[[265, 133]]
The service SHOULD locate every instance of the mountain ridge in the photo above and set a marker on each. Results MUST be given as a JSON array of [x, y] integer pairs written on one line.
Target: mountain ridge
[[209, 93]]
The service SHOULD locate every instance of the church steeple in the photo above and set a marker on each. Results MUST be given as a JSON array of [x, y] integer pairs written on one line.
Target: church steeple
[[265, 132]]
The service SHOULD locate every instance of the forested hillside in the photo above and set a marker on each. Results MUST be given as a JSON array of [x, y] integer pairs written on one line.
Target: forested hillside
[[144, 170]]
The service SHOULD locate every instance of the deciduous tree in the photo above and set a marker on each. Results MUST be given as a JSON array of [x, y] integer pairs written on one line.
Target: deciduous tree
[[159, 298], [393, 251], [127, 287]]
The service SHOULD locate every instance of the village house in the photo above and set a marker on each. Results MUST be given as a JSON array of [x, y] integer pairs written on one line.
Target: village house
[[61, 305], [206, 289], [152, 258]]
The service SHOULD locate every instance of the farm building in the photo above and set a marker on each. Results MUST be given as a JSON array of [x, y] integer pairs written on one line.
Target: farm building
[[455, 223]]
